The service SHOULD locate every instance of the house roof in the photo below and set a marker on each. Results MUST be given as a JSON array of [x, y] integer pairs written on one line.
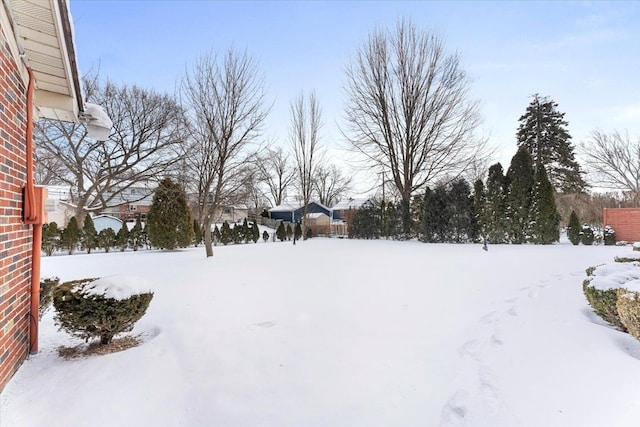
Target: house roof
[[43, 38], [350, 204], [290, 207]]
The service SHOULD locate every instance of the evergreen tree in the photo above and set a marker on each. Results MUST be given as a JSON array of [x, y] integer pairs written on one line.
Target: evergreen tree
[[495, 210], [107, 239], [281, 233], [297, 231], [289, 231], [574, 229], [89, 234], [226, 235], [247, 234], [197, 233], [122, 238], [543, 131], [435, 215], [71, 236], [255, 232], [544, 219], [520, 177], [479, 202], [461, 211], [392, 221], [217, 235], [365, 224], [587, 236], [265, 236], [169, 219], [145, 236], [236, 233], [135, 235], [50, 238]]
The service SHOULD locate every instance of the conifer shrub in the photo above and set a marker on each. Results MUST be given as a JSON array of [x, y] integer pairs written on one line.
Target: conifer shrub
[[309, 234], [602, 301], [587, 237], [87, 314], [89, 238], [609, 236], [297, 232], [71, 236], [122, 237], [265, 236], [573, 229], [46, 293], [136, 240], [107, 239], [628, 306], [281, 233], [50, 238], [216, 235], [255, 232]]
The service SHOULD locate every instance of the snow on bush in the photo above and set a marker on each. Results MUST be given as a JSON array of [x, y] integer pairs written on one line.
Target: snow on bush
[[101, 308], [636, 246], [628, 305]]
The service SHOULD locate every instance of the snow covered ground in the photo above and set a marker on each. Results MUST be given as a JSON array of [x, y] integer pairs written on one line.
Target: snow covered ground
[[343, 333]]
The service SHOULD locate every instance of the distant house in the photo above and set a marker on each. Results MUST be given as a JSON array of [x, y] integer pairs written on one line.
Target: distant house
[[343, 211], [102, 222], [231, 214], [293, 212], [624, 221]]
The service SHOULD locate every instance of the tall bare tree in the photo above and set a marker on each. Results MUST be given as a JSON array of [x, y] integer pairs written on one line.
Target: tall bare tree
[[613, 161], [276, 172], [223, 98], [329, 184], [304, 135], [142, 146], [409, 110]]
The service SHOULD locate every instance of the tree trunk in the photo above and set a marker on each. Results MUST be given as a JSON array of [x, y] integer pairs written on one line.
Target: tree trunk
[[207, 237]]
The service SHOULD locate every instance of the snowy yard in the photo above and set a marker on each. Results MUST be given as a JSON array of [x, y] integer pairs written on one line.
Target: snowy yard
[[343, 333]]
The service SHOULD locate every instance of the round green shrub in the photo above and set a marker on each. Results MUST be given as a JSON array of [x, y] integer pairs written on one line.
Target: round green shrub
[[587, 236], [86, 315], [603, 303], [609, 236], [628, 306]]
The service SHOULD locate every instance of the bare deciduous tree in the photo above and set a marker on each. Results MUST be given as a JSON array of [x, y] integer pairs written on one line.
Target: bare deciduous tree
[[304, 134], [142, 146], [613, 161], [329, 184], [50, 169], [409, 111], [276, 172], [223, 99]]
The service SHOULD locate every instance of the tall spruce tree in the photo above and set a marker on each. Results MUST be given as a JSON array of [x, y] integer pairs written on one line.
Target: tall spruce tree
[[71, 235], [107, 239], [365, 223], [544, 219], [281, 233], [169, 219], [135, 235], [479, 202], [495, 210], [521, 178], [543, 131], [122, 238], [461, 208], [89, 234], [50, 238], [435, 215], [574, 228]]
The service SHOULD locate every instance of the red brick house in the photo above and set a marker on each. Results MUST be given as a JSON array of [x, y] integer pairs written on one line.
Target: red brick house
[[38, 78]]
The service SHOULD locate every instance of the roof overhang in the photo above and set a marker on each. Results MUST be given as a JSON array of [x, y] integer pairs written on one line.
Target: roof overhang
[[43, 35]]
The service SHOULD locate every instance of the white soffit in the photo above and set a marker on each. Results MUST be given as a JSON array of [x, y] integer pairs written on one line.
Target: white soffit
[[43, 29]]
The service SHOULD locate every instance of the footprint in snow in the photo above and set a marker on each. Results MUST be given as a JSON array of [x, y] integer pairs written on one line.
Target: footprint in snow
[[470, 349], [533, 293], [487, 384], [454, 410], [267, 324], [496, 339], [513, 311], [489, 318]]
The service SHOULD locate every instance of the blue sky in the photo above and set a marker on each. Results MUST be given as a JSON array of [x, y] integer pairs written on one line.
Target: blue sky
[[584, 55]]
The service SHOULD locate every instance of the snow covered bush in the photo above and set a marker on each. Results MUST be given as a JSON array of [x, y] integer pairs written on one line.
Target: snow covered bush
[[628, 306], [587, 235], [609, 236], [46, 290], [600, 289], [100, 308], [636, 246]]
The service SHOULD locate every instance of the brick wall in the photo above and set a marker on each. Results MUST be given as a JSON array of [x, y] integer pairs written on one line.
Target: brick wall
[[15, 237], [624, 221]]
